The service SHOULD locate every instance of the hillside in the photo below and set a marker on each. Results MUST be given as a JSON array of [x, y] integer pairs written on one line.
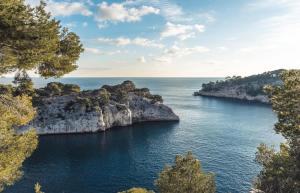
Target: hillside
[[250, 88]]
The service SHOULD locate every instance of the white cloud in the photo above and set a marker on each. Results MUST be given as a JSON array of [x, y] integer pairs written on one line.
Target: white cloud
[[181, 31], [118, 12], [94, 51], [282, 29], [100, 52], [222, 48], [118, 41], [121, 41], [63, 8], [142, 59], [68, 8], [173, 12], [177, 52], [208, 16], [146, 43], [258, 4]]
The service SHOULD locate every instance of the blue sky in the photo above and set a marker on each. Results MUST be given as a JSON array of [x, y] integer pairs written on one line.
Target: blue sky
[[175, 38]]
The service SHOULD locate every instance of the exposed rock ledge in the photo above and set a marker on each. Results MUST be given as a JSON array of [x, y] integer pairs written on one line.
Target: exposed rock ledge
[[233, 94], [249, 88], [95, 110]]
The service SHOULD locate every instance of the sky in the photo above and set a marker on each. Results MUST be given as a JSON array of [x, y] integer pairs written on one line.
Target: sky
[[176, 38]]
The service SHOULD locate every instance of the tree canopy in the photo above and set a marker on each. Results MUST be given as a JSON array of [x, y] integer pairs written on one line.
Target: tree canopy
[[30, 39], [281, 170], [137, 190], [33, 40], [14, 148], [185, 176]]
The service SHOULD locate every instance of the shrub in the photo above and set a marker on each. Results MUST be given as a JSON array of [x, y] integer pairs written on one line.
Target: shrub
[[104, 95], [71, 88], [156, 98], [185, 176], [137, 190]]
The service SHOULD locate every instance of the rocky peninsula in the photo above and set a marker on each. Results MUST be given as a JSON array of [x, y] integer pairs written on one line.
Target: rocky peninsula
[[249, 88], [63, 108]]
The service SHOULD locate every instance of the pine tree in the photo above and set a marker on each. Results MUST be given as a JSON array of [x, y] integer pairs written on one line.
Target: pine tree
[[14, 148], [137, 190], [185, 176], [30, 39], [33, 40], [281, 170]]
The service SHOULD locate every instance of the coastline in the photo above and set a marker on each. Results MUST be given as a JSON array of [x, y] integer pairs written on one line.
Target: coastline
[[262, 99]]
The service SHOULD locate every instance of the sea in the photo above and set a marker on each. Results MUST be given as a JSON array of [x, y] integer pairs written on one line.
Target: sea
[[223, 134]]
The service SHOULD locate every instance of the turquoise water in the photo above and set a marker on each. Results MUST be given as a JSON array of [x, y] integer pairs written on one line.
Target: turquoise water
[[223, 134]]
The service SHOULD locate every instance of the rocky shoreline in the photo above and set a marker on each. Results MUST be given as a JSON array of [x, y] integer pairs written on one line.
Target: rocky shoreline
[[232, 94], [249, 88], [65, 109]]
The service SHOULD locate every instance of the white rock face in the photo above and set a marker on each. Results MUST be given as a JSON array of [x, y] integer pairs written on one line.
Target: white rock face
[[54, 117], [249, 88], [232, 93], [143, 110]]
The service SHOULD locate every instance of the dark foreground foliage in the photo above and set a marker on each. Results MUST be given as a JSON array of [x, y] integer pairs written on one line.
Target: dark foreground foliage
[[281, 170]]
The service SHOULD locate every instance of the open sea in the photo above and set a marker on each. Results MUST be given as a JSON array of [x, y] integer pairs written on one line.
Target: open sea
[[222, 134]]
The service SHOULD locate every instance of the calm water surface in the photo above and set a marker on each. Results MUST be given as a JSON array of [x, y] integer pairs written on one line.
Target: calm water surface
[[223, 134]]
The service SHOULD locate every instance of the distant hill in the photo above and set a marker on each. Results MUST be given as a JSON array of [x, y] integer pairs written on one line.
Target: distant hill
[[248, 88]]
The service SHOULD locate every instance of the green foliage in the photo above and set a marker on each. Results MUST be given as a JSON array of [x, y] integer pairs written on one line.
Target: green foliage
[[30, 39], [33, 40], [156, 98], [185, 176], [37, 188], [6, 89], [53, 88], [286, 103], [57, 89], [71, 88], [14, 149], [252, 85], [24, 84], [281, 170], [104, 95], [137, 190], [121, 96]]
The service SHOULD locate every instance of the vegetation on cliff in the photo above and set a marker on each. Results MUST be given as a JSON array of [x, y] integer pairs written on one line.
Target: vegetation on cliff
[[119, 92], [281, 170], [91, 99], [251, 85]]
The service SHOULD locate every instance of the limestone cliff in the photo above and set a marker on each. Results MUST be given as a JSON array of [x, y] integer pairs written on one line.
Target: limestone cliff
[[249, 88], [66, 109]]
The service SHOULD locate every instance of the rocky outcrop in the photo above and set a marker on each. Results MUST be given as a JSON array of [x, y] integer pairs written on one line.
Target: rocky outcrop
[[249, 88], [233, 93], [95, 110]]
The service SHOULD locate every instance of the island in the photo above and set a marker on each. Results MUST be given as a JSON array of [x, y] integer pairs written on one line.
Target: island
[[250, 88], [64, 108]]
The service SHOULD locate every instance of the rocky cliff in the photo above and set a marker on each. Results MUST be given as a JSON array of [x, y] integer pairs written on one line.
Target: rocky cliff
[[249, 88], [66, 109]]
